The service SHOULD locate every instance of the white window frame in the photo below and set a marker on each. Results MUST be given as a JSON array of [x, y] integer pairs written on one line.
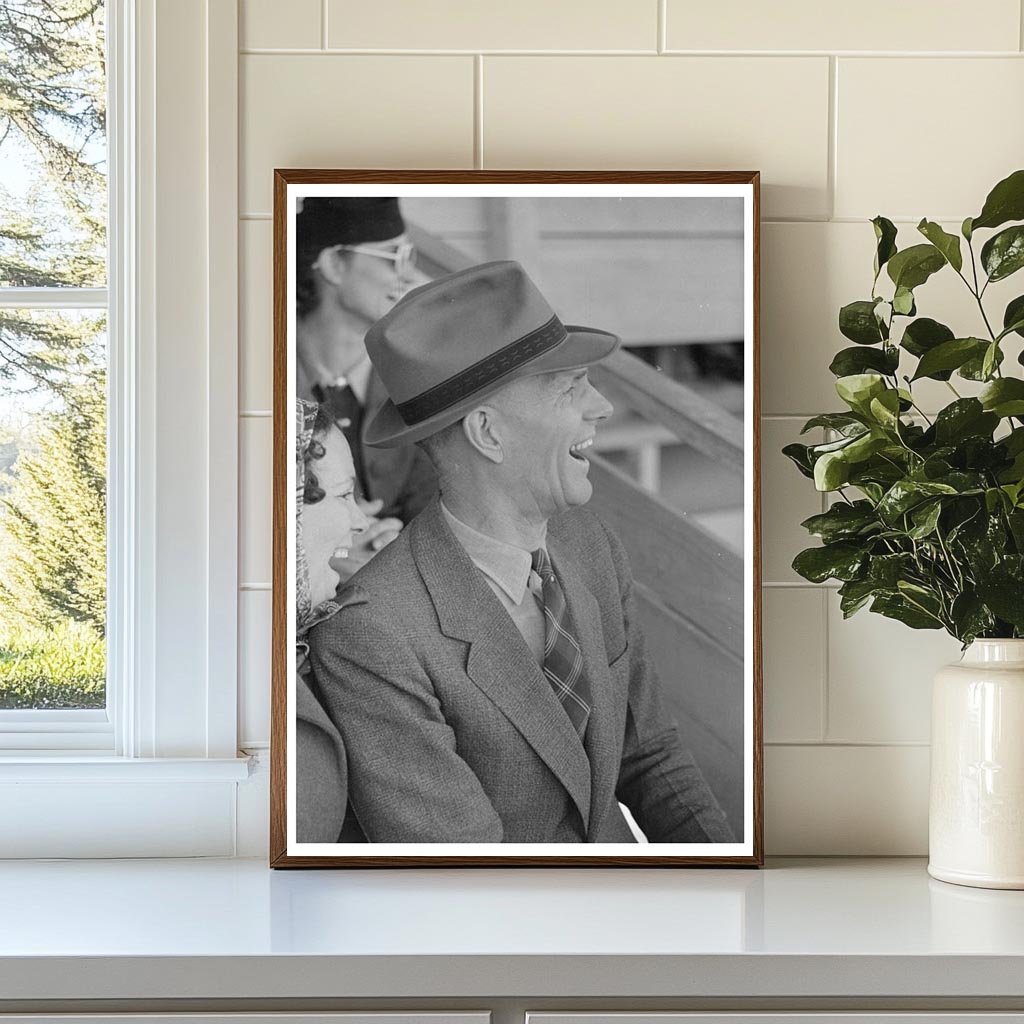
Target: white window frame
[[157, 774]]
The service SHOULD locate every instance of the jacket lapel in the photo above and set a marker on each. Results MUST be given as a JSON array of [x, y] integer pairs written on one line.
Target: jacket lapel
[[499, 662], [601, 744]]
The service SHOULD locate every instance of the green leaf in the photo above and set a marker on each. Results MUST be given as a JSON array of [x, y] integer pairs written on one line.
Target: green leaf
[[849, 361], [1005, 202], [858, 389], [864, 446], [842, 521], [966, 417], [990, 360], [974, 368], [1013, 318], [903, 302], [841, 421], [970, 617], [857, 321], [887, 570], [854, 594], [1004, 397], [1003, 254], [831, 471], [840, 561], [885, 409], [885, 236], [925, 518], [925, 334], [799, 455], [1005, 596], [899, 608], [965, 228], [906, 494], [950, 355], [947, 244], [912, 267]]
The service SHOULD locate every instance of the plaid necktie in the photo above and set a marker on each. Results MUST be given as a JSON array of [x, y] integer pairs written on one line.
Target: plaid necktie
[[563, 659]]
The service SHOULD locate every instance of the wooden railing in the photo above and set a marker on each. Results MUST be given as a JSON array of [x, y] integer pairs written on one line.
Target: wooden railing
[[689, 584]]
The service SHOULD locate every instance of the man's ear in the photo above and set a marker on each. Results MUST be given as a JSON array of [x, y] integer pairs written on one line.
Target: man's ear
[[482, 431]]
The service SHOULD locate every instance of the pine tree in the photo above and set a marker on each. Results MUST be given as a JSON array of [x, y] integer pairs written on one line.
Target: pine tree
[[52, 121], [53, 234], [53, 520]]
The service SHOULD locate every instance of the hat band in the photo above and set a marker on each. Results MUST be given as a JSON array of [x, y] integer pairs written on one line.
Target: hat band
[[489, 369]]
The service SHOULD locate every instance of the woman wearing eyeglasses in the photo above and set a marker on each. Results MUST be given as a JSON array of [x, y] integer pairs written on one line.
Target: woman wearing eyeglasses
[[353, 263]]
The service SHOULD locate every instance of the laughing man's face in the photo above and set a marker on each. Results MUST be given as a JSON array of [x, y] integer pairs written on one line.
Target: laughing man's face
[[547, 426]]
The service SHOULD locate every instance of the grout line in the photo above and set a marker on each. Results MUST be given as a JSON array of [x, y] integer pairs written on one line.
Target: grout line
[[254, 586], [833, 135], [478, 111], [663, 26], [255, 414], [1021, 22], [323, 24], [339, 51], [854, 744], [255, 216], [259, 51]]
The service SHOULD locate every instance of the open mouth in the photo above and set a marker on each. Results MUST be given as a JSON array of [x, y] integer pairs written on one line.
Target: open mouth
[[577, 450]]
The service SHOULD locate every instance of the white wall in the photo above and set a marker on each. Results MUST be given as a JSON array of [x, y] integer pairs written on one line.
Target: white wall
[[906, 109]]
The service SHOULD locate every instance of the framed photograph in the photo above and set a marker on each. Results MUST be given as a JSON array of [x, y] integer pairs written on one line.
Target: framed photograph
[[516, 608]]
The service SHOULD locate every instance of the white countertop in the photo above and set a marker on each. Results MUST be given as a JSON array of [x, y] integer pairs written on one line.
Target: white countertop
[[234, 929]]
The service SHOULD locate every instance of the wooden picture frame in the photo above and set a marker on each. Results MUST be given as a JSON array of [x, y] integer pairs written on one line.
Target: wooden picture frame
[[697, 586]]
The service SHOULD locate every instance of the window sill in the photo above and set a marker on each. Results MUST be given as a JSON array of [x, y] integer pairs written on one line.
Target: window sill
[[79, 806], [78, 767]]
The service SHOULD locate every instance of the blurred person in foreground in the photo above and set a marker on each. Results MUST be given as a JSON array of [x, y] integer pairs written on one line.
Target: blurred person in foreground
[[353, 262], [487, 671], [327, 520]]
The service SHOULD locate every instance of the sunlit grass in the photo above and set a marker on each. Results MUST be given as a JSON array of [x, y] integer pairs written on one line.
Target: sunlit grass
[[60, 667]]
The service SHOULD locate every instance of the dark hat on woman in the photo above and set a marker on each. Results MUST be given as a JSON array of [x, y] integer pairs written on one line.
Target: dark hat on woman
[[324, 221], [452, 342]]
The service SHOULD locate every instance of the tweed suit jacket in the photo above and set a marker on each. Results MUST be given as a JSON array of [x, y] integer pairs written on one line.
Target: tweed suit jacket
[[453, 733]]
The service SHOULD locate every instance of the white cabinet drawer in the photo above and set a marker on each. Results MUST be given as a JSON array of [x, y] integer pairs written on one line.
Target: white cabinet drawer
[[932, 1017]]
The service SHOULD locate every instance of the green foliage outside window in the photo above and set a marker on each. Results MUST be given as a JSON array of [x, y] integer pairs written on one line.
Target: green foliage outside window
[[52, 365]]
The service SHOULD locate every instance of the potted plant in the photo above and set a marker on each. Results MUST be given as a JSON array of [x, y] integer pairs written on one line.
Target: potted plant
[[927, 521]]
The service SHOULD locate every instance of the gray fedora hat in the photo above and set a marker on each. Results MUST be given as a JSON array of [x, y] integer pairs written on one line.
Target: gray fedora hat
[[452, 342]]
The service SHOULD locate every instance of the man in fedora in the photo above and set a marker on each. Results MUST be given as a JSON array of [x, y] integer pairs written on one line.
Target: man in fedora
[[487, 673], [353, 263]]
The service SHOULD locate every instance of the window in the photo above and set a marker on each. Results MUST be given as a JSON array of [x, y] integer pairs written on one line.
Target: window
[[155, 771], [53, 370]]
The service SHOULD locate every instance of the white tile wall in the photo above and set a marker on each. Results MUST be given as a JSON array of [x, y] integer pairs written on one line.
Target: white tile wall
[[331, 110], [794, 663], [868, 25], [261, 25], [699, 113], [255, 324], [838, 138], [471, 25], [971, 110]]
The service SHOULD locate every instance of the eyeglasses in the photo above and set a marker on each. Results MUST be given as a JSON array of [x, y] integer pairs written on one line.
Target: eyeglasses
[[403, 256]]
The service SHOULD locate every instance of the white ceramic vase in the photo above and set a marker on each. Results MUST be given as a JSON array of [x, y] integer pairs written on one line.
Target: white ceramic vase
[[976, 814]]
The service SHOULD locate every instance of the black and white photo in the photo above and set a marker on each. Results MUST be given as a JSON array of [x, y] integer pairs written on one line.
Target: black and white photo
[[516, 567]]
